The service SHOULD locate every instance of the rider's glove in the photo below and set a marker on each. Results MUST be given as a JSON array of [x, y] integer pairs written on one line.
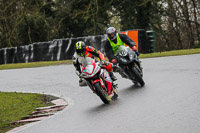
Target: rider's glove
[[135, 50], [114, 61]]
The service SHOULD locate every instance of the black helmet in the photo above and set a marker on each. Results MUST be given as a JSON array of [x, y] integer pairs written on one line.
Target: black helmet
[[111, 32], [80, 48]]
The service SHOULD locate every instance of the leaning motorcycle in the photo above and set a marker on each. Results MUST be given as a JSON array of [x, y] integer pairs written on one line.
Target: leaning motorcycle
[[96, 78], [129, 66]]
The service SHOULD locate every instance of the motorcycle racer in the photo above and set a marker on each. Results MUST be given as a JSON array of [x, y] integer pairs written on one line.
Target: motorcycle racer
[[88, 51], [114, 40]]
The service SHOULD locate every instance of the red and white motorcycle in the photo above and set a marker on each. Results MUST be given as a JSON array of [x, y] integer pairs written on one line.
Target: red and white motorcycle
[[98, 79]]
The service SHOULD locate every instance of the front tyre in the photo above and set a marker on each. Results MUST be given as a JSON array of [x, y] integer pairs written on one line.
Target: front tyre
[[137, 76], [102, 93]]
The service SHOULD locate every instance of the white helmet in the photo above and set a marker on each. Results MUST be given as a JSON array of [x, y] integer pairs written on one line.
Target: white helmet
[[111, 32]]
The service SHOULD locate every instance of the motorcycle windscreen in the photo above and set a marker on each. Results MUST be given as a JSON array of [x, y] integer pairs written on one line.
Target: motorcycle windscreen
[[122, 55], [121, 50], [89, 67], [87, 61]]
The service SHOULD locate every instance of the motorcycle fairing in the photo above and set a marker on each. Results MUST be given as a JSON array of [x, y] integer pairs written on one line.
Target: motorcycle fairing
[[89, 67], [105, 75], [125, 55]]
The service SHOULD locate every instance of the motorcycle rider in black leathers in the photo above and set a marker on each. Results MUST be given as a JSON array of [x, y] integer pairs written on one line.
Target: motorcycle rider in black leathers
[[114, 40]]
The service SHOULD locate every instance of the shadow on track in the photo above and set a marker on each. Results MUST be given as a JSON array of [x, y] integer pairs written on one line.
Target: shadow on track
[[103, 107], [124, 92], [132, 90]]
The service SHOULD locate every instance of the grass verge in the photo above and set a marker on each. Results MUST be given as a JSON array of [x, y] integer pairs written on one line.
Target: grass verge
[[14, 106], [34, 64], [171, 53]]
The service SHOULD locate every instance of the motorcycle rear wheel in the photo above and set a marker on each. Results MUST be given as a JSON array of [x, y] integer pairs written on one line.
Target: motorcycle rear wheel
[[102, 93]]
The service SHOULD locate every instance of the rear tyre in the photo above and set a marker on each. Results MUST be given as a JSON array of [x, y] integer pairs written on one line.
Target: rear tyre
[[102, 93]]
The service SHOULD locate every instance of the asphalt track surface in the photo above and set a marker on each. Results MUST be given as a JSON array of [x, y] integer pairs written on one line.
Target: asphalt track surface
[[169, 103]]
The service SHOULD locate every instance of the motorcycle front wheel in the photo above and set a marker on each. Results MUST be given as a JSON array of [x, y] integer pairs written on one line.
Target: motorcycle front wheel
[[102, 93], [137, 76]]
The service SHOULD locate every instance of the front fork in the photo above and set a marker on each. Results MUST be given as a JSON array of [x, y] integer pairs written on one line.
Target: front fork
[[100, 81], [104, 80], [91, 83]]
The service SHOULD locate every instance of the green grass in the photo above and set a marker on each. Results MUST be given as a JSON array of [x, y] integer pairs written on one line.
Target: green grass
[[171, 53], [33, 64], [14, 106]]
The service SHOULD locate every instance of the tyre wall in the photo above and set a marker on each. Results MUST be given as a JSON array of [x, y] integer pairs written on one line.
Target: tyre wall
[[59, 49]]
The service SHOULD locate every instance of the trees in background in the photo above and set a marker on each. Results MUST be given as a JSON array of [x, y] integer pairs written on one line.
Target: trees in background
[[180, 24], [26, 21], [176, 22]]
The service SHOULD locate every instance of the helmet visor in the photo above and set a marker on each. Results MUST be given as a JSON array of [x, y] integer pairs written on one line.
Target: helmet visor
[[80, 52], [111, 36]]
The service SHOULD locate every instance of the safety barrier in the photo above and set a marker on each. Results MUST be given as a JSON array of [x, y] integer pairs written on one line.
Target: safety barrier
[[59, 49], [63, 49]]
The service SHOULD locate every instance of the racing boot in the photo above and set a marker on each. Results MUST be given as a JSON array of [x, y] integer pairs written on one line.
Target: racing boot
[[112, 76]]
